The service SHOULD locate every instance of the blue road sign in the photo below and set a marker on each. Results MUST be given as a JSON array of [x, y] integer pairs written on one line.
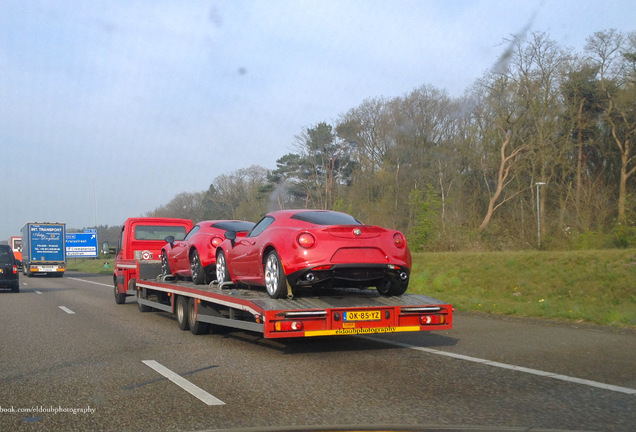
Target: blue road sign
[[81, 244]]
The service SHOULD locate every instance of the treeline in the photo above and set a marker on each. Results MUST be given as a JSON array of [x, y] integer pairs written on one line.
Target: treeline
[[464, 173]]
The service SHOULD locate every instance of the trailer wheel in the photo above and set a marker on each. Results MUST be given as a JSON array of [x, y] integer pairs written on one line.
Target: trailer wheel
[[222, 272], [275, 279], [119, 298], [182, 313], [196, 327], [196, 269]]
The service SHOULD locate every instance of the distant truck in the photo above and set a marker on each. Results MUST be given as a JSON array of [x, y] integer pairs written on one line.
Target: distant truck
[[44, 249], [139, 248], [16, 245]]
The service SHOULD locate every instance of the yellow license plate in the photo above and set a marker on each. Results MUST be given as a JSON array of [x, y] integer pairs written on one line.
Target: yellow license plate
[[362, 316]]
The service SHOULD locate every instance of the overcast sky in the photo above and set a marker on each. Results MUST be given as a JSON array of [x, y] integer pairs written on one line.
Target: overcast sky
[[108, 109]]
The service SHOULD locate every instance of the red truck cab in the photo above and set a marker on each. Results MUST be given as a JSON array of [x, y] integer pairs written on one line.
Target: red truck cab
[[139, 251]]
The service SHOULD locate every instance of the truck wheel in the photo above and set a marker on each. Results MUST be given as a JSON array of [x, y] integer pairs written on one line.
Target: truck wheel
[[196, 269], [182, 313], [196, 327], [275, 279], [165, 266], [119, 298], [222, 272]]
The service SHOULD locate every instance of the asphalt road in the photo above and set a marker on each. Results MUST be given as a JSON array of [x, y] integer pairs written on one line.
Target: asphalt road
[[71, 359]]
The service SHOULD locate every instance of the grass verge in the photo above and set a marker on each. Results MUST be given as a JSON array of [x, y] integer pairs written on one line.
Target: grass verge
[[596, 286]]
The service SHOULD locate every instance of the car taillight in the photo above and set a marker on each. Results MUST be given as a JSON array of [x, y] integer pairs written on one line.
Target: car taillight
[[398, 240], [216, 241], [15, 269], [306, 240]]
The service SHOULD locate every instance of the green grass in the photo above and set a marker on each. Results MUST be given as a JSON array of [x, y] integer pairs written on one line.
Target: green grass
[[89, 265], [597, 286]]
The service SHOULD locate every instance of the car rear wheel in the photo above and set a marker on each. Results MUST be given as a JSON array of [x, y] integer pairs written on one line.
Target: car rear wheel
[[196, 269], [275, 279], [165, 266], [222, 272], [182, 313], [392, 287]]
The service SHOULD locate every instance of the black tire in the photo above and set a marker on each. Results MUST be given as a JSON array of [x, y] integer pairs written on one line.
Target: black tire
[[196, 327], [196, 269], [275, 279], [119, 297], [222, 270], [165, 266], [141, 307], [181, 310], [392, 287]]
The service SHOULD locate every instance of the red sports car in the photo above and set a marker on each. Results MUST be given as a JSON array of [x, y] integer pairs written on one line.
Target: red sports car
[[194, 257], [315, 248]]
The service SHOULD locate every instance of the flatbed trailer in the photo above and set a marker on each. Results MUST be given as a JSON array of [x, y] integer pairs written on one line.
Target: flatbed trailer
[[320, 312]]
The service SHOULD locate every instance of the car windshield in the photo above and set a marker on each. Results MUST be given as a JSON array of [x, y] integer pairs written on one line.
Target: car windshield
[[234, 226], [326, 218], [6, 255], [155, 232]]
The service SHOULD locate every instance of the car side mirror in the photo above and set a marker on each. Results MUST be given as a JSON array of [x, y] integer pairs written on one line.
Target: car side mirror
[[170, 239], [231, 235]]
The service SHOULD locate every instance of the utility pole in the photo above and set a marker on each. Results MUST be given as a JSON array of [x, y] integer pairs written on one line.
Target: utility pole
[[539, 184]]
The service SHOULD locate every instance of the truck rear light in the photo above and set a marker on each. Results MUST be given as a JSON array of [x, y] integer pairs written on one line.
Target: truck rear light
[[216, 241], [283, 326], [15, 269], [432, 319]]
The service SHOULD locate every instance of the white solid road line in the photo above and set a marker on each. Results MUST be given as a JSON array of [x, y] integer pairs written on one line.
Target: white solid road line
[[91, 282], [67, 310], [186, 385], [589, 383]]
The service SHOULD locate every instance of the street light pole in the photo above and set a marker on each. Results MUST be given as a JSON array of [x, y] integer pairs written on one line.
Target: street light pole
[[538, 184]]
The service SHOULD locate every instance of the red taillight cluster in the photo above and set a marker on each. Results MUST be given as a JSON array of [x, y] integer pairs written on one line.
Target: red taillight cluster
[[306, 240], [15, 269], [216, 241], [432, 319], [399, 241], [288, 326]]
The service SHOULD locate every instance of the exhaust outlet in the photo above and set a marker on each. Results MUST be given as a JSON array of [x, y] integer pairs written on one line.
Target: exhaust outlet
[[404, 276], [310, 277]]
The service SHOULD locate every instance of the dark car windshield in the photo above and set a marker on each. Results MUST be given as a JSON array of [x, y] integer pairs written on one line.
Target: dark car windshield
[[234, 225], [6, 255], [326, 218]]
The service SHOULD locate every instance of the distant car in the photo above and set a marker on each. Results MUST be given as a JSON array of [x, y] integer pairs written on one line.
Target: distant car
[[195, 256], [315, 248], [9, 276]]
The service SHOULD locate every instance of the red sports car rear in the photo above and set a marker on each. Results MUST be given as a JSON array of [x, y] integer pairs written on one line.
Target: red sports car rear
[[315, 248]]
